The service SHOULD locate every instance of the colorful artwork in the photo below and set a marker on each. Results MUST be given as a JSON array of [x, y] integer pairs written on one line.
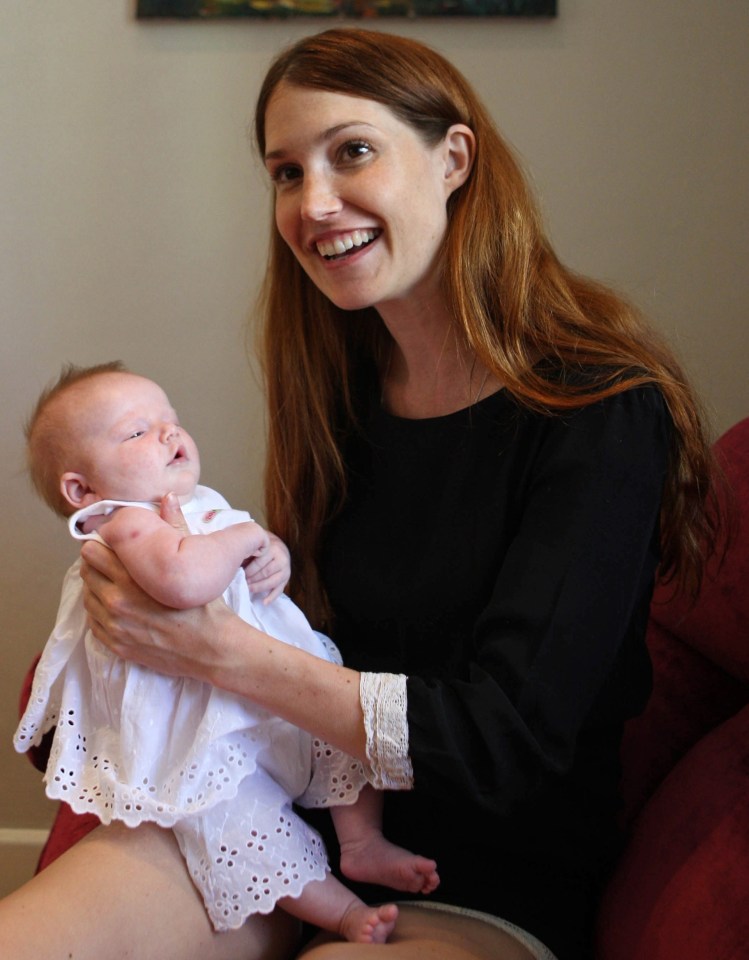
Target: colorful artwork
[[355, 9]]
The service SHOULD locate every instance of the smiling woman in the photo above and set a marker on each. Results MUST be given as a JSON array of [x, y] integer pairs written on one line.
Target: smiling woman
[[453, 413]]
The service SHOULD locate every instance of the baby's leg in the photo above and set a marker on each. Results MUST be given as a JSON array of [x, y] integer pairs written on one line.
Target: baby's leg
[[328, 904], [368, 857]]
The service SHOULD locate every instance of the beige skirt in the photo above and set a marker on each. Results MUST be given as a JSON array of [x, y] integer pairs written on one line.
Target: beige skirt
[[536, 949]]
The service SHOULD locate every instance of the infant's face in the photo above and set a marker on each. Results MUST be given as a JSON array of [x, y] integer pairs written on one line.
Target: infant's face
[[130, 441]]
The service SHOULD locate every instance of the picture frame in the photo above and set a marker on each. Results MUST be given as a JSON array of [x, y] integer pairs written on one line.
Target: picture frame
[[351, 9]]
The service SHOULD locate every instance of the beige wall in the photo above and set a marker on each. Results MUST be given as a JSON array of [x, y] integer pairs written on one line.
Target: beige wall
[[132, 220]]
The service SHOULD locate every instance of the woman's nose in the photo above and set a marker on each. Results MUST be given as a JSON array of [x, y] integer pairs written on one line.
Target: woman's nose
[[319, 199]]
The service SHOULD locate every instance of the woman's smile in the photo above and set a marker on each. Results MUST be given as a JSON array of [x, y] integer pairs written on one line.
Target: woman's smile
[[343, 244]]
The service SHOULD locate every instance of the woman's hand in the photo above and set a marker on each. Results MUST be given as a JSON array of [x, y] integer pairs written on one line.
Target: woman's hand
[[136, 627], [214, 645]]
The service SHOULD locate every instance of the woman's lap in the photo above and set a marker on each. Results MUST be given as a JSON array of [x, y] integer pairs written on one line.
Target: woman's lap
[[422, 934], [122, 892]]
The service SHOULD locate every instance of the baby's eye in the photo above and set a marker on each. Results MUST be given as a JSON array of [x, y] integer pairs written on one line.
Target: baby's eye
[[135, 434]]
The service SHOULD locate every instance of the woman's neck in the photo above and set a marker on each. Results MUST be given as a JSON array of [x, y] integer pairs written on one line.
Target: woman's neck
[[430, 371]]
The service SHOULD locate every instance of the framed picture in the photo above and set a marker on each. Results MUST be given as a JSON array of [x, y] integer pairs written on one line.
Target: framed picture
[[354, 9]]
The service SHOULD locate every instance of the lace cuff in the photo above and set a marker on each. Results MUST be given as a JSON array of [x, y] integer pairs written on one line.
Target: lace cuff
[[383, 699]]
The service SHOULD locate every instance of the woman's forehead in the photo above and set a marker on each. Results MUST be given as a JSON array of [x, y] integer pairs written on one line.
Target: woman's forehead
[[308, 112]]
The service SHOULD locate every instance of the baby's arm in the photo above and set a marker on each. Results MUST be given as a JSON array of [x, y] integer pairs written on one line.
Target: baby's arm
[[175, 567]]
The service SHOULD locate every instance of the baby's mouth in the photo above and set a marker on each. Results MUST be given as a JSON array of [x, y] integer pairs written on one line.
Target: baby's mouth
[[179, 456], [342, 245]]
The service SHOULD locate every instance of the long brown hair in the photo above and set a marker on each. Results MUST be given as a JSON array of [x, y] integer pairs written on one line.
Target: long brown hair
[[515, 303]]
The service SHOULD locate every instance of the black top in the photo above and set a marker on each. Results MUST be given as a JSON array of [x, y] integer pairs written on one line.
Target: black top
[[504, 560]]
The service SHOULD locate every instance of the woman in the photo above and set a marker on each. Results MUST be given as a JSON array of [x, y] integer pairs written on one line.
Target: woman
[[479, 461]]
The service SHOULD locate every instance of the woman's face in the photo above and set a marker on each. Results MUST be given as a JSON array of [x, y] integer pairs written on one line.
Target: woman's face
[[360, 198]]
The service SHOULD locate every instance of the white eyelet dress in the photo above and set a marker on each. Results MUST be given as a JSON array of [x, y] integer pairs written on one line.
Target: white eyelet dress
[[136, 746]]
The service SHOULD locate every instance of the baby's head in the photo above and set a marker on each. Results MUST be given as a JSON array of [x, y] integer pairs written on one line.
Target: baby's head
[[103, 433]]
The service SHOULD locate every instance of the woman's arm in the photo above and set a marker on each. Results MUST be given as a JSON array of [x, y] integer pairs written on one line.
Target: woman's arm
[[516, 604], [212, 644], [175, 567]]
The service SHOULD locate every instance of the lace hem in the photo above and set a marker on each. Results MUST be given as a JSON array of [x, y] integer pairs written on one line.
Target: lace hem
[[337, 779], [384, 699], [248, 853]]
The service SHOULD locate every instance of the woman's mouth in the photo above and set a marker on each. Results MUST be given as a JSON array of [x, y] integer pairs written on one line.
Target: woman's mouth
[[342, 245]]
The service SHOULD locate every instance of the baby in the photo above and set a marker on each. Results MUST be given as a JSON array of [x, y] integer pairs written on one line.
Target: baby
[[104, 448]]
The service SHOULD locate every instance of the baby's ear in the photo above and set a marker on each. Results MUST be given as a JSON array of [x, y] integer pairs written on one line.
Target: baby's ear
[[75, 489]]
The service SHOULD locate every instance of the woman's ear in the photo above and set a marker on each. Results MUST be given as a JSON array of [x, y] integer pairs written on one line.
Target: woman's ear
[[460, 149], [76, 490]]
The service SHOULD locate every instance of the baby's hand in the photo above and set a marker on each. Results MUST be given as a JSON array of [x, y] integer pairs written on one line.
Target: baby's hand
[[257, 540], [268, 573]]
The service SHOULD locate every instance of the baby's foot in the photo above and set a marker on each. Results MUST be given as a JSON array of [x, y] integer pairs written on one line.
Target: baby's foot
[[374, 859], [363, 924]]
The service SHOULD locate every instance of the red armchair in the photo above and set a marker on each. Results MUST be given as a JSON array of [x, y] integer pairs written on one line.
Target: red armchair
[[681, 888]]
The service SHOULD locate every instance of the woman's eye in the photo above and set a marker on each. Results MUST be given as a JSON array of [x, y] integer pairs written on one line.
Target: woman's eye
[[285, 174], [354, 149]]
